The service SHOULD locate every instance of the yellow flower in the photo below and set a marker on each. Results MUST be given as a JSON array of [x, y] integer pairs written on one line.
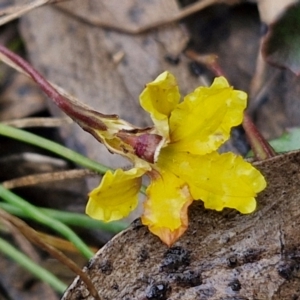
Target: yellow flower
[[180, 156]]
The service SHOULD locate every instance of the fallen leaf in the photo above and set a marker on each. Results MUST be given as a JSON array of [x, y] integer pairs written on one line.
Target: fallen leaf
[[269, 10], [281, 44], [222, 255]]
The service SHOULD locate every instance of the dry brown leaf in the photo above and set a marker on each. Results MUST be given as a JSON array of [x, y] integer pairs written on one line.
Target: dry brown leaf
[[221, 256], [110, 14], [135, 16], [269, 10]]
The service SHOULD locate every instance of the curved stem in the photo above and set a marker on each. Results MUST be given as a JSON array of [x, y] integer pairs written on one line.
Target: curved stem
[[42, 218], [58, 149], [69, 218], [30, 138], [259, 145], [31, 266]]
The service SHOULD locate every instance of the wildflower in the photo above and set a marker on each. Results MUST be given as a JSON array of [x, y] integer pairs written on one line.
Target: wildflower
[[180, 156], [179, 153]]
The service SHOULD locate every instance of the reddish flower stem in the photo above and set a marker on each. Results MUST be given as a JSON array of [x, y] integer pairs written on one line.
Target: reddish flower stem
[[85, 117], [261, 148]]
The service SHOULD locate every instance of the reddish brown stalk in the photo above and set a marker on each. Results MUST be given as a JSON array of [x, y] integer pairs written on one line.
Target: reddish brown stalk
[[209, 60], [260, 147], [83, 116]]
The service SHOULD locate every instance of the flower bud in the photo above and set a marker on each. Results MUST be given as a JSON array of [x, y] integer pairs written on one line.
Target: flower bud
[[145, 146]]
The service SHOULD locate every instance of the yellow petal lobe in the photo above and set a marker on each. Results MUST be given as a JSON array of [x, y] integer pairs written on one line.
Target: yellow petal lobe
[[116, 196], [202, 122], [159, 98], [220, 181], [165, 210]]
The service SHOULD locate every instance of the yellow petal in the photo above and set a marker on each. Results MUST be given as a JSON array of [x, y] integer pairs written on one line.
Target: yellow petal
[[220, 181], [159, 98], [116, 196], [165, 210], [202, 122]]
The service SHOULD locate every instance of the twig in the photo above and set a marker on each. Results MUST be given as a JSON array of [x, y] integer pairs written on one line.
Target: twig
[[89, 119], [33, 236], [34, 268], [209, 60], [47, 177], [16, 11], [42, 218], [68, 218], [38, 122], [256, 99], [17, 63], [30, 138], [59, 243], [261, 148], [21, 241]]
